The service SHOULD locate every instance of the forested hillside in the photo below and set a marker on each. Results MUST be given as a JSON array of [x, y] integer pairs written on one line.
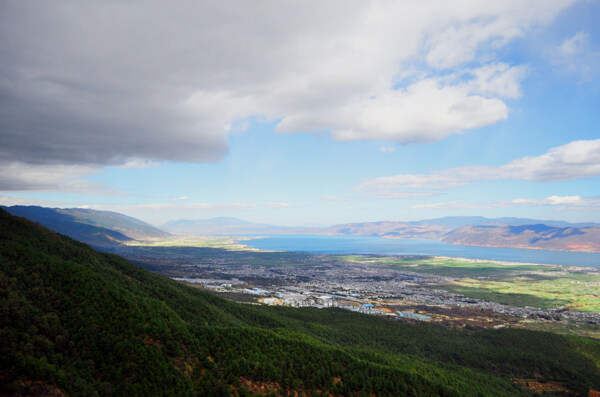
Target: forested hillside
[[98, 228], [77, 322]]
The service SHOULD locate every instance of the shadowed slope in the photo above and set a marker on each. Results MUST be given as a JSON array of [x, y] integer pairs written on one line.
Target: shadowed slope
[[77, 321], [97, 228]]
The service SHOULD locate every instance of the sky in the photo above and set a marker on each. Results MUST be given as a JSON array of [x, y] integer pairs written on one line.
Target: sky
[[302, 113]]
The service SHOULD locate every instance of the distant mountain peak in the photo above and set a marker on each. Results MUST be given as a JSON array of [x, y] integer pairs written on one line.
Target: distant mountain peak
[[537, 236]]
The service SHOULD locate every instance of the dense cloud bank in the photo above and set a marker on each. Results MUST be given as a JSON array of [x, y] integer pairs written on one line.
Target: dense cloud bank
[[89, 84]]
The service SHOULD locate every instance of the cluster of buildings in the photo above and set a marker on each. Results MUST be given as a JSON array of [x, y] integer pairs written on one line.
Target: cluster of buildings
[[354, 286], [312, 299]]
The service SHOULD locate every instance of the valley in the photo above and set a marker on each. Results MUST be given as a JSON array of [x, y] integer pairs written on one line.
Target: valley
[[80, 322], [300, 199], [456, 292]]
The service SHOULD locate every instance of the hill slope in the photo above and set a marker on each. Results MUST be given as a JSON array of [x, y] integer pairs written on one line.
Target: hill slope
[[464, 230], [481, 231], [69, 226], [98, 228], [129, 226], [454, 222], [528, 236], [390, 230], [77, 322]]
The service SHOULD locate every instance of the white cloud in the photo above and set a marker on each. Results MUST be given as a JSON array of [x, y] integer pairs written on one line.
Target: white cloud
[[571, 202], [237, 206], [399, 195], [88, 206], [387, 149], [452, 205], [552, 200], [277, 205], [497, 79], [575, 55], [139, 163], [573, 45], [425, 111], [489, 24], [17, 176], [102, 83], [9, 201], [385, 195], [577, 159]]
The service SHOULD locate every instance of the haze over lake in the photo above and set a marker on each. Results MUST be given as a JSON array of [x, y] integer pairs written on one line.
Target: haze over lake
[[382, 246]]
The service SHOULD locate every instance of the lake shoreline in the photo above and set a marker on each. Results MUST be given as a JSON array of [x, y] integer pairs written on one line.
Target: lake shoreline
[[370, 245]]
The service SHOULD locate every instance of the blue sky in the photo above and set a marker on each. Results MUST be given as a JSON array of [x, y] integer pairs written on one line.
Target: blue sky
[[319, 114]]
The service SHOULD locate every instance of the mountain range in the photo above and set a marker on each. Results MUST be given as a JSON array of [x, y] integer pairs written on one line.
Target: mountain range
[[463, 230], [108, 229], [537, 236], [74, 321], [97, 228]]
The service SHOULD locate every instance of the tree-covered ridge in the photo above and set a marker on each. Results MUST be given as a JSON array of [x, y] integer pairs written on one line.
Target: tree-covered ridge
[[97, 228], [79, 322]]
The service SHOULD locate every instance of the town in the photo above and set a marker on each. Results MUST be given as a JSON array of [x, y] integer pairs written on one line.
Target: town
[[367, 290], [330, 281]]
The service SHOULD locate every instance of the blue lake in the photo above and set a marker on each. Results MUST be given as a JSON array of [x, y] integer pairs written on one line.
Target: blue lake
[[382, 246]]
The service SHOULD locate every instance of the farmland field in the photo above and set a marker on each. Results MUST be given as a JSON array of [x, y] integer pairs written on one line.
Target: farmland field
[[515, 284], [224, 242]]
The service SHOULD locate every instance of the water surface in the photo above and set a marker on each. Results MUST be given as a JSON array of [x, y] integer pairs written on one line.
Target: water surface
[[383, 246]]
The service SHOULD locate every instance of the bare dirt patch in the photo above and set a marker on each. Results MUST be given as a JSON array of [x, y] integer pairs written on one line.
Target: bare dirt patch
[[541, 387]]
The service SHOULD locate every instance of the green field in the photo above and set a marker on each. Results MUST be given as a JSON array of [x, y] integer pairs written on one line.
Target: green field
[[224, 242], [452, 267], [568, 328], [571, 290], [516, 284]]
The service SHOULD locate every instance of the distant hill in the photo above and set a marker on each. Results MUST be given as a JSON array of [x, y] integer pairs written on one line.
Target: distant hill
[[464, 230], [222, 225], [528, 236], [437, 227], [481, 231], [109, 229], [77, 322], [389, 229], [453, 222], [98, 228], [129, 226]]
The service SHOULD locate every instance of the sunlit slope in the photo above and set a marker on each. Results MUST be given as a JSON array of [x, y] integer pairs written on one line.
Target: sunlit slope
[[98, 228], [79, 322], [129, 226], [537, 236]]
